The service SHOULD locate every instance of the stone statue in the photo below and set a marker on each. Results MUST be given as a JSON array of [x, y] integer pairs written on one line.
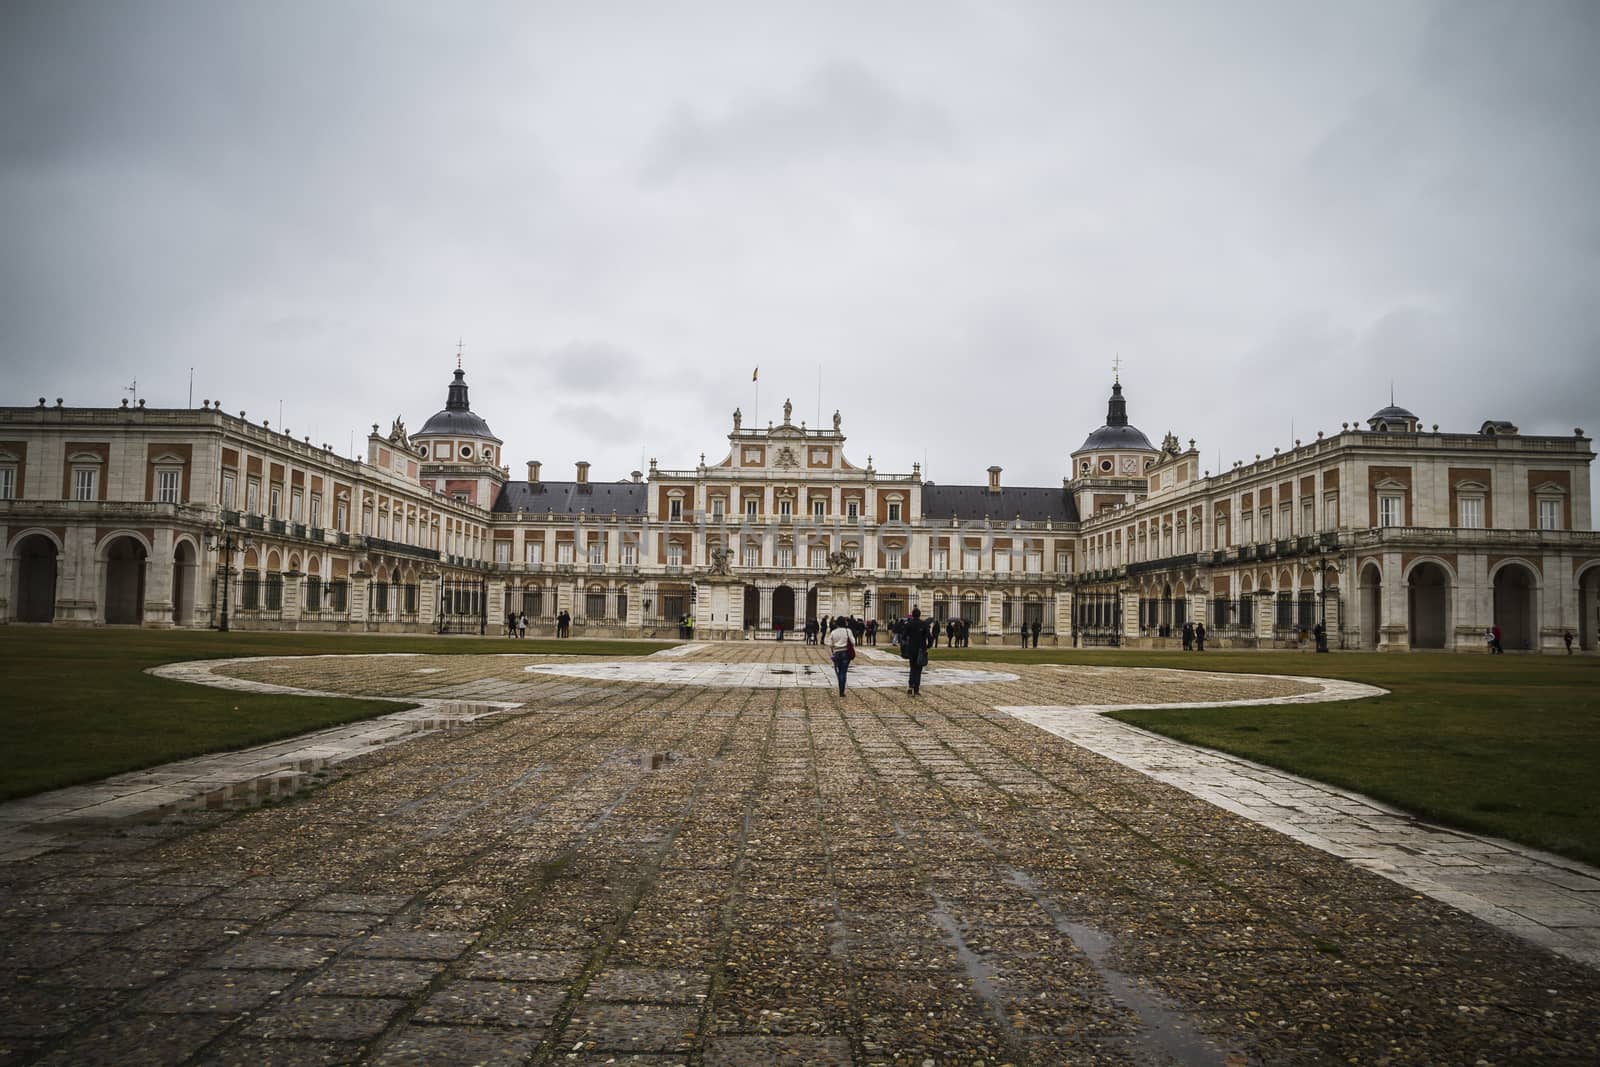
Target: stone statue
[[836, 421], [738, 419], [788, 410], [722, 562], [397, 434], [841, 564]]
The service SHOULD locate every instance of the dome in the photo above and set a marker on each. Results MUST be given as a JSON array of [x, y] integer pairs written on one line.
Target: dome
[[457, 418], [1394, 418], [1393, 412], [1116, 433]]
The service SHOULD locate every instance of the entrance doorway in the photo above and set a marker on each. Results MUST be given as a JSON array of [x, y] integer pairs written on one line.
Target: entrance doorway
[[36, 579], [1429, 593], [1513, 606], [783, 608], [752, 608], [124, 591], [183, 578], [1371, 604]]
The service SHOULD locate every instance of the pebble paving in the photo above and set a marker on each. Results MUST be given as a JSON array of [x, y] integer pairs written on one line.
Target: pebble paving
[[641, 869]]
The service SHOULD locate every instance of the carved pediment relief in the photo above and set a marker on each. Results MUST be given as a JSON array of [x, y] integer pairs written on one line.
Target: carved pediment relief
[[1471, 486], [1550, 489], [1392, 485]]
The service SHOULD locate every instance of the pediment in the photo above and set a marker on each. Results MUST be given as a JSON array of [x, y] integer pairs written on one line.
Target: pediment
[[1470, 486], [1392, 484], [1550, 489], [86, 457], [168, 459]]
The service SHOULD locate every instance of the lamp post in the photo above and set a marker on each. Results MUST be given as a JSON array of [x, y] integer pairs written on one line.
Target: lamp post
[[1323, 567], [227, 539]]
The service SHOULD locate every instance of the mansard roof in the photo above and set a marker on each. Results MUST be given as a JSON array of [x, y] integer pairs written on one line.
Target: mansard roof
[[1029, 503], [569, 498]]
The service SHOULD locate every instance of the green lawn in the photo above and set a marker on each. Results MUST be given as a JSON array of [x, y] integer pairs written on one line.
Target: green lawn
[[1503, 745], [76, 705]]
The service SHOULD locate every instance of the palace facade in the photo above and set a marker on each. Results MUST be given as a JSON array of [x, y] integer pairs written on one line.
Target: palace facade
[[1396, 535]]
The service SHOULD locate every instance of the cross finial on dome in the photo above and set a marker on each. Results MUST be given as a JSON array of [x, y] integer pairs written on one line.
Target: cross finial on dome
[[1116, 369]]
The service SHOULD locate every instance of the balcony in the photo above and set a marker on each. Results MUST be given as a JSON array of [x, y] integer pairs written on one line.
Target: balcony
[[378, 544]]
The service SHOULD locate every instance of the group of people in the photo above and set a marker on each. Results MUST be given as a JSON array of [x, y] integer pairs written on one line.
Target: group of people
[[1194, 637], [686, 626], [517, 624], [912, 636], [1033, 631]]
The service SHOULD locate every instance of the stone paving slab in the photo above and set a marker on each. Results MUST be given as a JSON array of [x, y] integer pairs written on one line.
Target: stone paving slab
[[638, 872], [1547, 899]]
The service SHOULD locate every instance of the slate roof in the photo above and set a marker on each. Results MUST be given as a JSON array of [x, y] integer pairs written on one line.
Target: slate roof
[[568, 498], [1117, 437], [456, 424], [1033, 504]]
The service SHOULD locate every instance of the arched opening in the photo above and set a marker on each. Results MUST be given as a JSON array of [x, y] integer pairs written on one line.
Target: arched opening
[[1513, 606], [183, 576], [752, 608], [1589, 608], [811, 603], [783, 608], [1371, 604], [124, 595], [36, 579], [1428, 607]]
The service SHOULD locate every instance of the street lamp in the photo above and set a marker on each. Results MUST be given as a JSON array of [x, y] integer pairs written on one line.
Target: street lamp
[[228, 540], [1323, 567]]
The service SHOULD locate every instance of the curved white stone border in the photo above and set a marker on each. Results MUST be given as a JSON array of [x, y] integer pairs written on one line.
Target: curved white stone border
[[716, 675], [1546, 899], [203, 672], [1326, 690]]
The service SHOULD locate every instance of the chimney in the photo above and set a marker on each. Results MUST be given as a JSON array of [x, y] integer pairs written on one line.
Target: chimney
[[533, 472], [994, 479], [583, 472], [637, 475]]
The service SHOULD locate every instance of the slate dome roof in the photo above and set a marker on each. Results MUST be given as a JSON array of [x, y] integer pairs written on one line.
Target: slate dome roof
[[1392, 412], [1116, 433], [457, 419]]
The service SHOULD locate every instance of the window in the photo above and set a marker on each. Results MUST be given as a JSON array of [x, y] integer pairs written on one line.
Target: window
[[227, 490], [630, 553], [342, 516], [1308, 516], [852, 511], [1330, 511], [597, 551], [718, 506], [941, 559], [819, 557], [85, 483], [786, 508], [594, 604], [1266, 524], [894, 511], [1391, 509], [891, 560], [752, 555], [8, 483], [167, 486], [564, 552], [277, 502], [1034, 562], [750, 509], [675, 509], [534, 551], [969, 559], [252, 496], [502, 552], [1549, 513], [295, 503], [1063, 563], [674, 555], [1286, 522], [1471, 512], [1002, 561], [1246, 529], [786, 555], [316, 508], [819, 509]]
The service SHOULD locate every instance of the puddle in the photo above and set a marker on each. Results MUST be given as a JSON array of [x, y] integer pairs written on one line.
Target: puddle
[[1164, 1033]]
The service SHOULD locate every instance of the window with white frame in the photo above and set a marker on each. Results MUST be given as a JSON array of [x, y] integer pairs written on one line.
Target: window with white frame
[[167, 481], [894, 511], [1470, 509], [719, 507], [1285, 521], [675, 509], [786, 508], [533, 550], [941, 559], [891, 560], [675, 554], [564, 551], [1033, 562], [1330, 511], [228, 489], [1246, 529], [315, 514], [1002, 560], [276, 504], [1266, 524], [342, 517], [786, 555], [630, 553], [819, 557], [597, 551], [502, 552], [1549, 513], [751, 508], [1391, 509], [295, 502], [752, 555], [85, 483], [969, 559], [252, 496], [8, 481], [1308, 515], [1063, 563], [852, 511], [819, 509]]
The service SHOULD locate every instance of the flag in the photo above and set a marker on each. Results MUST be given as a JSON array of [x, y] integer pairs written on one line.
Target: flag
[[755, 373]]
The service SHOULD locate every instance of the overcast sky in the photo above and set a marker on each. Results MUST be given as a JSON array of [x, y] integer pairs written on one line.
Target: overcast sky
[[956, 214]]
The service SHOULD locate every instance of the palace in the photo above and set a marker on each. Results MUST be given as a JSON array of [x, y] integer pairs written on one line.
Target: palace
[[1395, 535]]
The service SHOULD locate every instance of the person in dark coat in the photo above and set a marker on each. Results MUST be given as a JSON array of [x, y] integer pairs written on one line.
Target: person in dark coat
[[1200, 637], [914, 647], [1036, 628]]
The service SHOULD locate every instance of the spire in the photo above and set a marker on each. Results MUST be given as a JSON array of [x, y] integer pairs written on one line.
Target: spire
[[457, 400], [1117, 410]]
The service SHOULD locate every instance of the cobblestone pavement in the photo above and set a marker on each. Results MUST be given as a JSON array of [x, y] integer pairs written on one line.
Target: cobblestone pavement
[[651, 872]]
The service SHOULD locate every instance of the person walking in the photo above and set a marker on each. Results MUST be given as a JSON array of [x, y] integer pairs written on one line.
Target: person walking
[[914, 648], [842, 649], [1566, 636], [522, 625], [1037, 626], [1200, 637], [1494, 641]]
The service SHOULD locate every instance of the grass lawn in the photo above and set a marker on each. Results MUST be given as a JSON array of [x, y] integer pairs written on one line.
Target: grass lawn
[[76, 705], [1503, 745]]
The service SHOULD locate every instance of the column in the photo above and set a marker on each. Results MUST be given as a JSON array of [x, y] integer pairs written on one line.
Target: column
[[1130, 616], [1064, 620], [1393, 635], [496, 608], [1266, 605], [158, 580], [358, 597], [765, 589], [290, 615]]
